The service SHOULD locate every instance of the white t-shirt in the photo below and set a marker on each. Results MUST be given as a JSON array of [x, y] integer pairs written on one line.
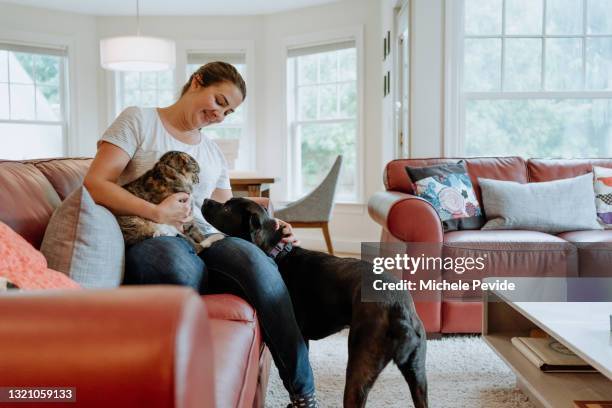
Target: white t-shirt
[[140, 132]]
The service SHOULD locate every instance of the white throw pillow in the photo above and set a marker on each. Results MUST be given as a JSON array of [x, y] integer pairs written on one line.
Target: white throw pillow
[[551, 206], [84, 241]]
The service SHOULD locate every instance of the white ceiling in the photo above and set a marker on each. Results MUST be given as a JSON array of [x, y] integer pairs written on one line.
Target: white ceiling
[[165, 7]]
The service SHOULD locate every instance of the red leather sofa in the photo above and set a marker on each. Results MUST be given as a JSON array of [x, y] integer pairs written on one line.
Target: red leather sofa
[[407, 218], [149, 346]]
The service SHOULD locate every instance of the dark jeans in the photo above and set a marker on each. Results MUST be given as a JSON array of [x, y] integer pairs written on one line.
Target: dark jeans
[[231, 265]]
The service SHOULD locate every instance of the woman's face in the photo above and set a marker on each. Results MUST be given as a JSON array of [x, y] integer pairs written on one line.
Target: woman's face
[[211, 104]]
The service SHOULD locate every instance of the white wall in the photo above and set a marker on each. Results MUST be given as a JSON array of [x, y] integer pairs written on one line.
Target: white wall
[[38, 26]]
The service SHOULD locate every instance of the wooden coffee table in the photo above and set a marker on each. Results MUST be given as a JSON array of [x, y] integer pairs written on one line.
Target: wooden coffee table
[[582, 327]]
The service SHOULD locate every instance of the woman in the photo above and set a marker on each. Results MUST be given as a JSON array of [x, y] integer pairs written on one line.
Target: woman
[[130, 146]]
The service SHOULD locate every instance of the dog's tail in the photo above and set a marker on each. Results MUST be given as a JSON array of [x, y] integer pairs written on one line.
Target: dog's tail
[[410, 351]]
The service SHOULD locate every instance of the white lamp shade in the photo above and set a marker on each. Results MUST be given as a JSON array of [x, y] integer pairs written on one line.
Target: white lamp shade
[[136, 53]]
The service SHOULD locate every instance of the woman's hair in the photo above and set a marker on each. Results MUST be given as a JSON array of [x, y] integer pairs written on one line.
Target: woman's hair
[[214, 73]]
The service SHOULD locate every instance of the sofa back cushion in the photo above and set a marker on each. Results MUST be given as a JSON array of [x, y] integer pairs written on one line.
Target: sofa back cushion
[[27, 200], [65, 175], [556, 169], [499, 168], [31, 190]]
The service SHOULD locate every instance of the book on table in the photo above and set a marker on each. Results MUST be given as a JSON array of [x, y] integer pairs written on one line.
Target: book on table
[[592, 404], [550, 356]]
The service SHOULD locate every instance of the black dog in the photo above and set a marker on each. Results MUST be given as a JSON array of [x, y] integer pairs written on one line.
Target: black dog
[[326, 295]]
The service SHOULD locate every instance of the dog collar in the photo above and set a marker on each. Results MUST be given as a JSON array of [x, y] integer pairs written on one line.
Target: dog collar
[[280, 250]]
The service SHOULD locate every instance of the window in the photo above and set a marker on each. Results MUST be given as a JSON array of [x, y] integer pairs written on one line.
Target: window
[[537, 78], [323, 116], [33, 120], [144, 89], [231, 134]]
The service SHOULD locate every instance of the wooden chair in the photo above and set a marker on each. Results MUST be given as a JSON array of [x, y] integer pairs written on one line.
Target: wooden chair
[[314, 210]]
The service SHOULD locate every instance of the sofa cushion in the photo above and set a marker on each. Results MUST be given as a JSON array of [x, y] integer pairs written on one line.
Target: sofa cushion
[[553, 206], [84, 241], [507, 253], [24, 266], [447, 187], [556, 169], [236, 344], [28, 200], [66, 175], [594, 251]]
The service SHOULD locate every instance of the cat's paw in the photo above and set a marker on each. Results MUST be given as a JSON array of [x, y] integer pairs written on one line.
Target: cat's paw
[[208, 241], [164, 230]]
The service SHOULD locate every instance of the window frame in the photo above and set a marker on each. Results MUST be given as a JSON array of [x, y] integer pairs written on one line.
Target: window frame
[[291, 162], [456, 99], [59, 44]]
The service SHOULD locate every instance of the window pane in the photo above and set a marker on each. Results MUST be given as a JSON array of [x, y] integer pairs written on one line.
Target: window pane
[[523, 64], [4, 99], [48, 103], [482, 64], [327, 102], [148, 98], [320, 144], [22, 102], [165, 80], [483, 16], [131, 98], [307, 69], [563, 64], [3, 66], [47, 68], [348, 64], [348, 100], [524, 16], [564, 16], [222, 132], [599, 20], [166, 98], [307, 102], [20, 142], [539, 128], [21, 68], [328, 70], [148, 80], [131, 80], [599, 63]]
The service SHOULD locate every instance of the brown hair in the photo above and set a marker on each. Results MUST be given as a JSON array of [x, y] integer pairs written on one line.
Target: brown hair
[[214, 73]]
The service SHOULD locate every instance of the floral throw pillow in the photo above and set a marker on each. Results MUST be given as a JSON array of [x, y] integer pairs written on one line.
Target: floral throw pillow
[[449, 190], [603, 195]]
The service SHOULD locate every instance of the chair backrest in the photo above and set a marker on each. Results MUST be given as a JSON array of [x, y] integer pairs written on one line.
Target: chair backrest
[[317, 205]]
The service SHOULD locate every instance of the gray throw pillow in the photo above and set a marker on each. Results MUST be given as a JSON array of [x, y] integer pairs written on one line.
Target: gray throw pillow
[[84, 241], [552, 206]]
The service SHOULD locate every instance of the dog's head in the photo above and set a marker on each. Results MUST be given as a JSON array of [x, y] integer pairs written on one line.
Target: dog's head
[[244, 218], [179, 170]]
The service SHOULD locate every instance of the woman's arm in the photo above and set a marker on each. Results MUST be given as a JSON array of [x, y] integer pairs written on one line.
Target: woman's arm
[[101, 182]]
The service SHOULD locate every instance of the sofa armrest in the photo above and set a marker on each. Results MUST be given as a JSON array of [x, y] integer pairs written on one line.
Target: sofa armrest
[[265, 202], [127, 347], [407, 217]]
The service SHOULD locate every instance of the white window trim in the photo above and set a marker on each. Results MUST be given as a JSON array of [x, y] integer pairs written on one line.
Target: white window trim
[[68, 94], [354, 33], [454, 97], [248, 141]]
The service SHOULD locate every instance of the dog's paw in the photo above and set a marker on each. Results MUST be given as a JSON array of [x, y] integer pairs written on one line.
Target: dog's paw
[[164, 230], [208, 241]]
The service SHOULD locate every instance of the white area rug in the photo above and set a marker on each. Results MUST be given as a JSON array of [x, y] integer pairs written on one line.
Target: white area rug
[[463, 372]]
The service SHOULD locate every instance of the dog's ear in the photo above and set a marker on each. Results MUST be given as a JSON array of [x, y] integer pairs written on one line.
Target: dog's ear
[[254, 227], [165, 172]]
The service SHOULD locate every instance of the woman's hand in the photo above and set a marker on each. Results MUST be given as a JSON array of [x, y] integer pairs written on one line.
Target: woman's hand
[[288, 236], [175, 210]]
